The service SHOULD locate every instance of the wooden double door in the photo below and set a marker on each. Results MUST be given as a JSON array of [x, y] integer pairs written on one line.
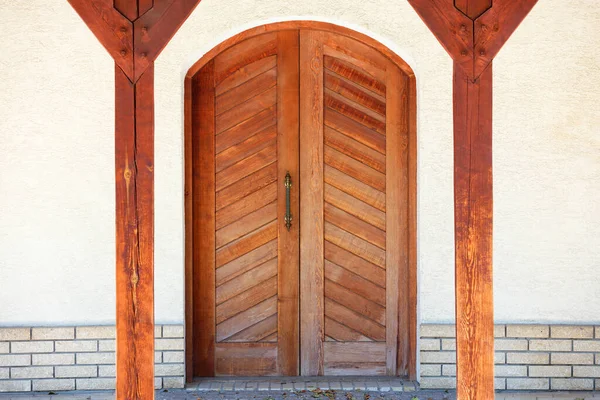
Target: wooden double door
[[299, 208]]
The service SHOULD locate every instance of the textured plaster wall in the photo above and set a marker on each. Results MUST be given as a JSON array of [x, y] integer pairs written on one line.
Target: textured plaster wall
[[56, 157]]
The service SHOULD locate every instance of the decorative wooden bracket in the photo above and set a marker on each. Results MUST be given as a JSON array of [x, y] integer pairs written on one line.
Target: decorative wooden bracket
[[134, 32], [472, 32]]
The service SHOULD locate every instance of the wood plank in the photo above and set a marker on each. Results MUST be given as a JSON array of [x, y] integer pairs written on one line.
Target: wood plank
[[338, 332], [355, 264], [354, 321], [473, 211], [353, 74], [353, 129], [246, 186], [354, 168], [246, 91], [246, 224], [354, 92], [356, 283], [271, 338], [355, 226], [355, 188], [246, 318], [354, 206], [288, 151], [253, 144], [354, 149], [354, 369], [244, 54], [412, 231], [246, 243], [311, 192], [246, 205], [354, 244], [246, 262], [244, 111], [358, 304], [257, 332], [245, 73], [204, 221], [134, 185], [333, 48], [247, 166], [363, 112], [250, 127], [246, 281], [189, 232], [352, 111], [249, 298], [246, 359], [396, 254], [354, 352]]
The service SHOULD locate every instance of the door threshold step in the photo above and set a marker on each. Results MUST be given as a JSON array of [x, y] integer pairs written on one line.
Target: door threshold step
[[299, 383]]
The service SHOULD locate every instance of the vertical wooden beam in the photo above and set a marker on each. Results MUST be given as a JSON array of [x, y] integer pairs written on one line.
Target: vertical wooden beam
[[134, 177], [473, 208], [472, 32], [122, 26]]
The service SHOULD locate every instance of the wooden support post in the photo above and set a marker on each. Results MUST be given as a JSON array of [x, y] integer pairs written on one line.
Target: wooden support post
[[134, 32], [472, 32], [134, 178], [473, 234]]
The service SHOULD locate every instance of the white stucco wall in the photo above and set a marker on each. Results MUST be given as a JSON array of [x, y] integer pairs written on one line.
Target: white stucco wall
[[56, 157]]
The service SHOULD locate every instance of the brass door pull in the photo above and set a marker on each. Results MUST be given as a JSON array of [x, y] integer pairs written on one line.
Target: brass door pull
[[288, 213]]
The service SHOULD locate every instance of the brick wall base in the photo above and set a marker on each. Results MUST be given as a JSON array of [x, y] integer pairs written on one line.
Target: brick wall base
[[79, 358], [528, 357]]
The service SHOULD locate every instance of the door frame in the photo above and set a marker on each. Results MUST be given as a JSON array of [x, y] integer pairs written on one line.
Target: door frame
[[408, 323]]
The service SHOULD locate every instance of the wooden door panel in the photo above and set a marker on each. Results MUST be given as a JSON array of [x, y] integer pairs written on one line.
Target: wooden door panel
[[250, 273], [353, 166]]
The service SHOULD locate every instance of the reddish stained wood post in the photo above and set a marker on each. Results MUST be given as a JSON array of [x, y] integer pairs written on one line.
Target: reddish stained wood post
[[472, 32], [134, 32]]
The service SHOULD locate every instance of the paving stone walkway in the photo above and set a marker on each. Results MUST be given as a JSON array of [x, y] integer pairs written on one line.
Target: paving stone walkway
[[315, 394]]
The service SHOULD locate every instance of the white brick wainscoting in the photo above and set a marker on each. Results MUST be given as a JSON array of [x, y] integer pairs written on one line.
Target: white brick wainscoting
[[79, 358], [528, 357]]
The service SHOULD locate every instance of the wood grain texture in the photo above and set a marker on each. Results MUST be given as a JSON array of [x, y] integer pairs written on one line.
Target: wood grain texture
[[122, 28], [288, 150], [486, 30], [203, 148], [311, 192], [473, 212], [134, 177], [357, 143]]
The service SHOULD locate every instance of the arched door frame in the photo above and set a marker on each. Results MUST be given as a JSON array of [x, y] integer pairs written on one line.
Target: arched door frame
[[408, 317]]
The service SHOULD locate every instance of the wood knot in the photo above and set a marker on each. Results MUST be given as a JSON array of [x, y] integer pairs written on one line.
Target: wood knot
[[123, 53], [127, 174], [463, 53], [123, 29]]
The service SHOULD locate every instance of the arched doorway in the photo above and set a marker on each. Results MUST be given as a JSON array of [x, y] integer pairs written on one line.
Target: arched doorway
[[300, 206]]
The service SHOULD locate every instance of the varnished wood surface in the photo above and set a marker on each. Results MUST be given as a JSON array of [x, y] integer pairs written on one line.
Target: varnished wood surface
[[134, 177], [134, 32], [288, 123], [203, 138], [348, 112], [483, 27], [311, 192]]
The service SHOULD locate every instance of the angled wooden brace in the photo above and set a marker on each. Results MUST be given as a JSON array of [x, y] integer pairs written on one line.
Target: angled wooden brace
[[472, 32], [134, 32]]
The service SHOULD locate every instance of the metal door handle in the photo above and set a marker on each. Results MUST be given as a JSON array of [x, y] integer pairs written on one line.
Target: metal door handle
[[288, 213]]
